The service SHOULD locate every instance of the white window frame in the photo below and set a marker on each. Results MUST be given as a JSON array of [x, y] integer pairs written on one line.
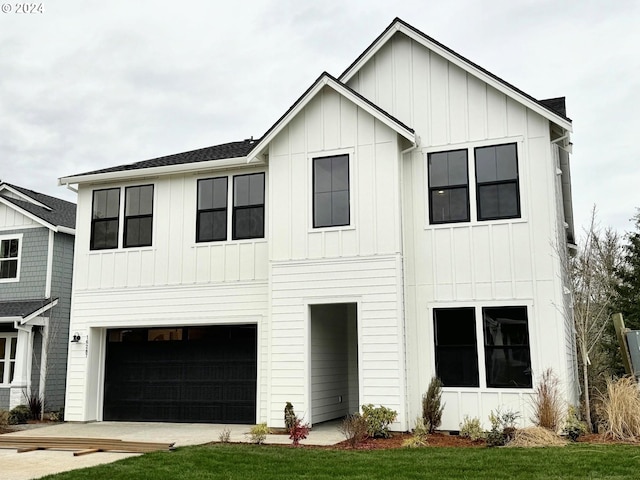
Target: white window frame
[[18, 237], [5, 356]]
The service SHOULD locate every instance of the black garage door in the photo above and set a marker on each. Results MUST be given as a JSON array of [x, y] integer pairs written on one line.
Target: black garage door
[[184, 374]]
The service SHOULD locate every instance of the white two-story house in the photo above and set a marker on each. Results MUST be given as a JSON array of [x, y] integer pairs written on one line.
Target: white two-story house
[[405, 220]]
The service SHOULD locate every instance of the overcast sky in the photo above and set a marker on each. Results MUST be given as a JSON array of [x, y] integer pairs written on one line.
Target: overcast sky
[[87, 84]]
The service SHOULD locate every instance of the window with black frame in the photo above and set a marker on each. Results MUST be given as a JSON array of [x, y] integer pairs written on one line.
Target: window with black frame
[[498, 193], [456, 347], [248, 206], [138, 216], [9, 251], [506, 346], [331, 191], [448, 187], [211, 222], [105, 219]]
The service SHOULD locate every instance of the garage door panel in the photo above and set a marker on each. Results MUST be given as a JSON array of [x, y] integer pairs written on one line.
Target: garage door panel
[[209, 379]]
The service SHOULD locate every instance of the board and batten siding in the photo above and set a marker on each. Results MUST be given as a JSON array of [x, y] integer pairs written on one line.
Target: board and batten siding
[[488, 263], [12, 219], [174, 282]]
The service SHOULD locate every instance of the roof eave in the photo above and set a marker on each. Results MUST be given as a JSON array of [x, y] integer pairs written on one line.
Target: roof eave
[[139, 173], [399, 26], [30, 215]]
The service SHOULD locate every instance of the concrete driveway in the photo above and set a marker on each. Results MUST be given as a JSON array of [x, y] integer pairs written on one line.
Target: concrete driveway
[[29, 465]]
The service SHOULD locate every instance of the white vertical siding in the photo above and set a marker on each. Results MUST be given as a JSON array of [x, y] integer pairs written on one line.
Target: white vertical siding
[[10, 219]]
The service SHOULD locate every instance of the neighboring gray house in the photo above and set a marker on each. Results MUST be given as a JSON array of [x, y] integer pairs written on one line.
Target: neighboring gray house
[[36, 263]]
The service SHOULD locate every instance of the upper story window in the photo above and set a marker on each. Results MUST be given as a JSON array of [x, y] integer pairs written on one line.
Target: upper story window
[[248, 206], [138, 216], [497, 193], [331, 191], [105, 219], [497, 182], [211, 220], [448, 187], [9, 258], [8, 345]]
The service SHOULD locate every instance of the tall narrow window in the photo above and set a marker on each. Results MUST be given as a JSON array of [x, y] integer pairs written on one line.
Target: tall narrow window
[[497, 182], [9, 253], [105, 219], [7, 358], [138, 216], [211, 223], [456, 347], [331, 191], [506, 347], [248, 206], [448, 187]]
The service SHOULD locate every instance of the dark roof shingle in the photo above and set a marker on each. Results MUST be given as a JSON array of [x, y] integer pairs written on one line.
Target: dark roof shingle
[[23, 308], [62, 213]]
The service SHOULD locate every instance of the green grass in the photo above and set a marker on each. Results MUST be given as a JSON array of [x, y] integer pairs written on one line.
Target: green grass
[[246, 462]]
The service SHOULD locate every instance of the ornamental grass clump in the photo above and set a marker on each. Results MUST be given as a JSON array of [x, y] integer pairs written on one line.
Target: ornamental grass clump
[[547, 403], [620, 410], [354, 429], [535, 437]]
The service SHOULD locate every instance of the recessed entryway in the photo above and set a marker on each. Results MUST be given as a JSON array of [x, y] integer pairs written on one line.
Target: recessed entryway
[[181, 374], [334, 361]]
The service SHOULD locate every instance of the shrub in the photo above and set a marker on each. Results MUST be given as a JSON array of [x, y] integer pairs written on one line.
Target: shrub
[[573, 427], [4, 418], [414, 442], [19, 414], [225, 435], [36, 405], [259, 433], [298, 431], [354, 428], [621, 409], [470, 428], [547, 403], [289, 416], [378, 420], [420, 430], [535, 437], [57, 416], [432, 405], [503, 427]]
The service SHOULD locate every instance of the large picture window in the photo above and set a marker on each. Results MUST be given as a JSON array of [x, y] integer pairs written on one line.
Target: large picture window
[[211, 222], [497, 182], [331, 191], [506, 347], [9, 256], [8, 344], [448, 187], [105, 219], [138, 216], [248, 206], [456, 347]]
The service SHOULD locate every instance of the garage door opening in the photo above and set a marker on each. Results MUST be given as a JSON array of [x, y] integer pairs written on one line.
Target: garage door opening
[[334, 361], [181, 374]]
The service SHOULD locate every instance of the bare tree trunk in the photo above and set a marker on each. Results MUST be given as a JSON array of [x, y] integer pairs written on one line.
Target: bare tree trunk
[[587, 396]]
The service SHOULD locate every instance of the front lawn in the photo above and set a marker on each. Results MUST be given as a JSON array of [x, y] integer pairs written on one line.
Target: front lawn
[[246, 462]]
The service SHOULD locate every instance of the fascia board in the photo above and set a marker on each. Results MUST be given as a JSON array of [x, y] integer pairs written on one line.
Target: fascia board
[[30, 215], [399, 27], [153, 171], [37, 313]]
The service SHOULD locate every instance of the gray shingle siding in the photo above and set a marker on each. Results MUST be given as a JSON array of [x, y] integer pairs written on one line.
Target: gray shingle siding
[[4, 399], [33, 266]]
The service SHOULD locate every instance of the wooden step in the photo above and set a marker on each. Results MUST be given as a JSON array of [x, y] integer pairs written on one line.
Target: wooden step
[[81, 445]]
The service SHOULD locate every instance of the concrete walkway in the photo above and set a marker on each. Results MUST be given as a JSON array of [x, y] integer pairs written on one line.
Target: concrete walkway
[[29, 465]]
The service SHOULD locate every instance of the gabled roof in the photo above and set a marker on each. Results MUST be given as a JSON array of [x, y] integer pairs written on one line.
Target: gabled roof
[[327, 80], [50, 211], [25, 310], [399, 25]]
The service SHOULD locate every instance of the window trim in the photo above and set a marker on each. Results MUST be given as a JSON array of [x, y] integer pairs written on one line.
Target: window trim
[[448, 187], [515, 181], [5, 357], [350, 152], [19, 237], [128, 217], [211, 210], [94, 221], [246, 207]]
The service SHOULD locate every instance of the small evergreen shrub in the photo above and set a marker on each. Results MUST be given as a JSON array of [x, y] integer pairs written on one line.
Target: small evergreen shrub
[[225, 435], [298, 431], [354, 428], [289, 416], [574, 428], [259, 433], [470, 428], [378, 420], [503, 427], [432, 405], [19, 415]]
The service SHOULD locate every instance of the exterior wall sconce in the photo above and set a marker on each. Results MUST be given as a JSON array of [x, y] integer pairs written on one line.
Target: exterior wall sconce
[[76, 338]]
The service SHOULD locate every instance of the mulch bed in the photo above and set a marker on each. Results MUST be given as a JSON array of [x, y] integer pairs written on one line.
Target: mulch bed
[[434, 440]]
